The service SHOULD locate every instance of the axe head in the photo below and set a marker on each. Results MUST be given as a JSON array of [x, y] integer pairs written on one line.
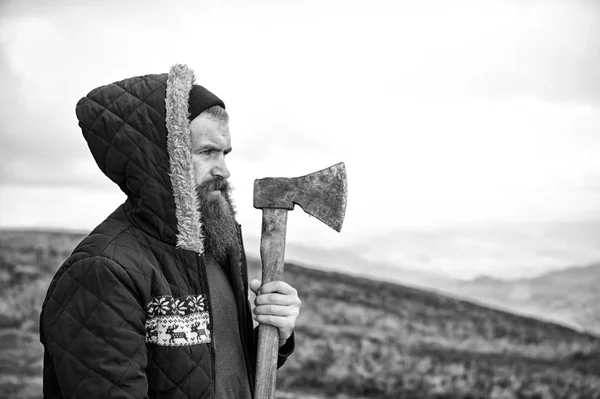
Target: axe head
[[321, 194]]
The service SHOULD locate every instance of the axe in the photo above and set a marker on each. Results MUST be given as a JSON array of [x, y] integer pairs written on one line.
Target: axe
[[321, 194]]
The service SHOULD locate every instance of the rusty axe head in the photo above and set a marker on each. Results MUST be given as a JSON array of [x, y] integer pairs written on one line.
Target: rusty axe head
[[321, 194]]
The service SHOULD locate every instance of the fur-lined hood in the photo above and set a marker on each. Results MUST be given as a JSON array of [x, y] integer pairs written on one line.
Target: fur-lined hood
[[138, 132]]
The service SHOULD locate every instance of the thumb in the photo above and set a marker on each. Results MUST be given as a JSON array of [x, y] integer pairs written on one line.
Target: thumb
[[255, 285]]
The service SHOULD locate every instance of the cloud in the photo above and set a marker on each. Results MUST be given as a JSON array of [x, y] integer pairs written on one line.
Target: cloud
[[40, 142], [549, 51]]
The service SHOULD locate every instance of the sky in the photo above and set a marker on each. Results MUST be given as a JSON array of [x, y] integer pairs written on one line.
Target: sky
[[450, 117]]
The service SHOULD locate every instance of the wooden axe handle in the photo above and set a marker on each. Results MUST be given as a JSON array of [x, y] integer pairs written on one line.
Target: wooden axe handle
[[272, 249]]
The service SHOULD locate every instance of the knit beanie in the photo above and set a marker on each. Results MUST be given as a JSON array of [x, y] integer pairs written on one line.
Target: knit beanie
[[200, 100]]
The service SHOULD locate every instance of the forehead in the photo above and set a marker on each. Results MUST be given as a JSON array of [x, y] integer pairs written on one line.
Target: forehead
[[205, 130]]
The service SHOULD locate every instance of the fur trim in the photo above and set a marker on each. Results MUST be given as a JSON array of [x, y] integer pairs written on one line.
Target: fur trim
[[179, 144]]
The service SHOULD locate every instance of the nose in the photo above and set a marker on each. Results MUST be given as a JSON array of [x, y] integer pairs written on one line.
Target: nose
[[220, 169]]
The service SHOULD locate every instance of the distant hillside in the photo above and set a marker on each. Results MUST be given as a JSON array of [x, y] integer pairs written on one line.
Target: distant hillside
[[570, 296], [356, 338], [382, 340]]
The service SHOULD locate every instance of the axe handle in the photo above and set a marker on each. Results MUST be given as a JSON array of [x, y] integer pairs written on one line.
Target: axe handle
[[272, 249]]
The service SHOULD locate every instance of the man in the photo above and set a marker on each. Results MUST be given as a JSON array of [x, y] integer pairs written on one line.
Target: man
[[154, 302]]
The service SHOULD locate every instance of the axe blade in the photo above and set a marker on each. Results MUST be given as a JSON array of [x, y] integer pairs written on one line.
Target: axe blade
[[321, 194]]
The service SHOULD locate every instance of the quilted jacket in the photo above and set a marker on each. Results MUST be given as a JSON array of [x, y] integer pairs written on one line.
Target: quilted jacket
[[128, 315]]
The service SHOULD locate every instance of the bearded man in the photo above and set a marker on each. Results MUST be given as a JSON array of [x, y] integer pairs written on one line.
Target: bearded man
[[154, 302]]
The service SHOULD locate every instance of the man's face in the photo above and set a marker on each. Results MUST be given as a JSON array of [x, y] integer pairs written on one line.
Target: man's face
[[210, 143]]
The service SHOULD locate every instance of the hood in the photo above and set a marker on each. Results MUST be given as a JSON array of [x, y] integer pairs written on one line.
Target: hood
[[138, 132]]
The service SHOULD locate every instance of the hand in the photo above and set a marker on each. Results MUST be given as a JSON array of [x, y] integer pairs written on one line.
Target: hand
[[277, 304]]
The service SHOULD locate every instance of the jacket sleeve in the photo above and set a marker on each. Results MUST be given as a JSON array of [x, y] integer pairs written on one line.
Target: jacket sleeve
[[284, 351], [93, 331]]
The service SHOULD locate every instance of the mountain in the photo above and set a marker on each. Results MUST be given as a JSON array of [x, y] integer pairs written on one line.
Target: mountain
[[570, 296], [374, 339], [356, 337], [514, 262]]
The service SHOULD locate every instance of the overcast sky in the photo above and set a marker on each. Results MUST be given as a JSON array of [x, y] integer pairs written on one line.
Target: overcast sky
[[446, 113]]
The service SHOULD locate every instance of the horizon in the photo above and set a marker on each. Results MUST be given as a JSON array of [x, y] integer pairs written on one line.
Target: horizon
[[351, 262]]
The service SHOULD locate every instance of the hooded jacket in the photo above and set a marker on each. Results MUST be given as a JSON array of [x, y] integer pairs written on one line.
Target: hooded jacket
[[128, 315]]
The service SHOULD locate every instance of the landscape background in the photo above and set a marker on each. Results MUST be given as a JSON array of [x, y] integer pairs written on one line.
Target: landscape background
[[356, 337]]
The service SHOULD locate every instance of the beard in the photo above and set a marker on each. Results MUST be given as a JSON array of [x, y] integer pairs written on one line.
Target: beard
[[218, 218]]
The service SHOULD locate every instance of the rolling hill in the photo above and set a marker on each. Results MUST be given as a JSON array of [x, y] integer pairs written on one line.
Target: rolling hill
[[356, 337], [376, 339], [570, 296]]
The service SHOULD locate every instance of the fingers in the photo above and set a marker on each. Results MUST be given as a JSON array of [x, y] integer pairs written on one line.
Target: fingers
[[254, 285], [276, 304], [276, 310], [278, 286], [276, 299]]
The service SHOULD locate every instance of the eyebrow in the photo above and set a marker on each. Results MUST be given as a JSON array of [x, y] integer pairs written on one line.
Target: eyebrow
[[210, 146]]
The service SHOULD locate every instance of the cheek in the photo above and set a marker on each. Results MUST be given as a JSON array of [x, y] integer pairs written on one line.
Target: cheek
[[200, 171]]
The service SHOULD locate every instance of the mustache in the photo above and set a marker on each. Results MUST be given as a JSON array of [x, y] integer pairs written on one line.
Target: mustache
[[217, 183]]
